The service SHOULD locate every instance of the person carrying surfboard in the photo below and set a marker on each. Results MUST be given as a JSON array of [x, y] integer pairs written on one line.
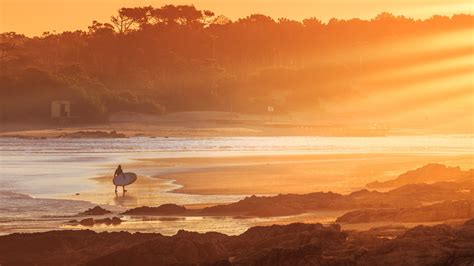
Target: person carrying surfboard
[[122, 179], [118, 172]]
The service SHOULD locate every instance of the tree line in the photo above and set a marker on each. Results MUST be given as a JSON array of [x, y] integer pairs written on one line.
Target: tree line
[[179, 58]]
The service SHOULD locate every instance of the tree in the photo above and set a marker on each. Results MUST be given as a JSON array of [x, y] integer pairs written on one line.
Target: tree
[[100, 28], [5, 49], [182, 15], [131, 18]]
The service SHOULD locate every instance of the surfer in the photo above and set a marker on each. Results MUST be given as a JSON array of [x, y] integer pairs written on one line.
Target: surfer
[[118, 172]]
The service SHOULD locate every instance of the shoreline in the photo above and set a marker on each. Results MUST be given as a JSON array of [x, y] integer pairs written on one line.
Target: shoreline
[[281, 174], [208, 124], [295, 243], [94, 132], [229, 178], [221, 177], [236, 219]]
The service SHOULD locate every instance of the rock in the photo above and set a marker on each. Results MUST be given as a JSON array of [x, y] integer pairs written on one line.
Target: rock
[[306, 255], [186, 250], [106, 221], [467, 230], [421, 231], [97, 210], [92, 134], [116, 220], [71, 247], [432, 213], [422, 245], [407, 196], [87, 222], [293, 244], [469, 222], [165, 209], [429, 173], [91, 222]]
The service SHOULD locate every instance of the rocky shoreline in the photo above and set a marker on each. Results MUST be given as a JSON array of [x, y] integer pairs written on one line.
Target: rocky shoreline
[[293, 244], [406, 197], [82, 134], [462, 209], [413, 203]]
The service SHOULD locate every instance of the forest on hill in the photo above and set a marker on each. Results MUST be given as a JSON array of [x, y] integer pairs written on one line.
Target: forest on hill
[[178, 58]]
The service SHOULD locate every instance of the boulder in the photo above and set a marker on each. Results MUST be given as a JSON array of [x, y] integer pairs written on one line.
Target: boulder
[[165, 209], [87, 222], [97, 210]]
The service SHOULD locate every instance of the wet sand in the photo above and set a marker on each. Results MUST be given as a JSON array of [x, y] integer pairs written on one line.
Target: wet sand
[[206, 181], [142, 193], [262, 175], [200, 176]]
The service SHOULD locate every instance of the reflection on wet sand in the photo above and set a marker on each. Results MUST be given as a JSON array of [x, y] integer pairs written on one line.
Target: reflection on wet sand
[[229, 179], [146, 191], [123, 200]]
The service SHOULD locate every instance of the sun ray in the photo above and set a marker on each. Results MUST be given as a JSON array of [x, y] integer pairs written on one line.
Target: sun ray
[[423, 71]]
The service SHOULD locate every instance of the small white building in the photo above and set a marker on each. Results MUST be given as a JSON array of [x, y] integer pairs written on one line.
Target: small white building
[[60, 109]]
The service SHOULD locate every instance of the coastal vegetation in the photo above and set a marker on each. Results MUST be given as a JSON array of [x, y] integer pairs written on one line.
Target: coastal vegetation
[[179, 58]]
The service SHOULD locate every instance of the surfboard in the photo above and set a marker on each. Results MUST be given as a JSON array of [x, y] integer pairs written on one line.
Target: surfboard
[[125, 179]]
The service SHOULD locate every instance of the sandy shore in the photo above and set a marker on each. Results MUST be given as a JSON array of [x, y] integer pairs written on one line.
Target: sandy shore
[[198, 182], [299, 174], [206, 181]]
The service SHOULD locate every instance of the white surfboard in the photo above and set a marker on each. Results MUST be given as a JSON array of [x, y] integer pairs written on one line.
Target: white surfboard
[[125, 179]]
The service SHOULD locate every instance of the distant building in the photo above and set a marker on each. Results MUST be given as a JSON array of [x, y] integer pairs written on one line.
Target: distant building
[[60, 109]]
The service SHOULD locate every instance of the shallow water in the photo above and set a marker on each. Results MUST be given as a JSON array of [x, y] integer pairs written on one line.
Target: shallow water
[[45, 168], [39, 167]]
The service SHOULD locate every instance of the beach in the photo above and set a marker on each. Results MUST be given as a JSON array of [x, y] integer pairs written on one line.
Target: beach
[[196, 172], [211, 180], [275, 174]]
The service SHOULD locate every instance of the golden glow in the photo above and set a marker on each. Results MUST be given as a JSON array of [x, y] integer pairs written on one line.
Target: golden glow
[[404, 91], [394, 51], [33, 17], [439, 68], [399, 98], [401, 81]]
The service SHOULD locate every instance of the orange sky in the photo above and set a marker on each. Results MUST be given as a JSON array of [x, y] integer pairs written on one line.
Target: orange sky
[[32, 17]]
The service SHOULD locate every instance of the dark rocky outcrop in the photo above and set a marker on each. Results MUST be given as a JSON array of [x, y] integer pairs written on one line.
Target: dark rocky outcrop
[[431, 213], [64, 247], [116, 220], [97, 210], [92, 134], [469, 222], [91, 221], [424, 245], [294, 244], [281, 205], [87, 222], [407, 196], [429, 173], [165, 209]]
